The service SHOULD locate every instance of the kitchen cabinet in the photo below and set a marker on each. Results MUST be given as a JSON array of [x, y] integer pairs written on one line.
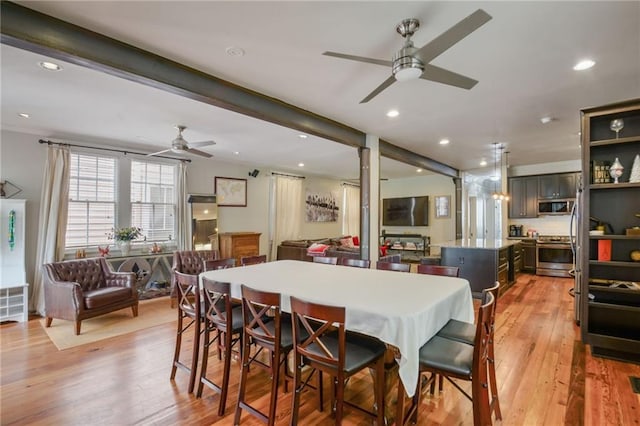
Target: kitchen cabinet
[[610, 316], [528, 255], [482, 263], [557, 186], [239, 244], [524, 197]]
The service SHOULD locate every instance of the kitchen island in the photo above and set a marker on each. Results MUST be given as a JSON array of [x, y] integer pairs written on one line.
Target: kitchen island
[[483, 262]]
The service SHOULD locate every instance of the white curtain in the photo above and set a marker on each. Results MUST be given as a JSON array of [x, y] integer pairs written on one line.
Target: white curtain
[[54, 202], [287, 207], [183, 222], [351, 210]]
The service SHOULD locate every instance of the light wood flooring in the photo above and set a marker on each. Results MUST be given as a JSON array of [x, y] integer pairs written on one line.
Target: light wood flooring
[[545, 376]]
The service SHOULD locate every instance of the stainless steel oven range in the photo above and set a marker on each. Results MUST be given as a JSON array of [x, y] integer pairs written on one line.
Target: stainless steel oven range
[[554, 256]]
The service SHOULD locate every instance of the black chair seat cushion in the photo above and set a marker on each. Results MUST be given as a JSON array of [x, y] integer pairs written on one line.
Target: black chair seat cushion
[[360, 350], [236, 320], [447, 355], [459, 331], [286, 332], [106, 296]]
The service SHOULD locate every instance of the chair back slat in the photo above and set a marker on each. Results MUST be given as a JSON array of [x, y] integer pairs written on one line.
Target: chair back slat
[[358, 263], [188, 290], [259, 307], [217, 303], [253, 260], [212, 265], [389, 266], [325, 260], [448, 271]]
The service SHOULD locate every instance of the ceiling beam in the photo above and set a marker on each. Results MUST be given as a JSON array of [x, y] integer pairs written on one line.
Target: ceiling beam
[[30, 30]]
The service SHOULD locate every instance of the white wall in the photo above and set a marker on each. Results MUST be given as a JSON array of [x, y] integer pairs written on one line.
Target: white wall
[[441, 229]]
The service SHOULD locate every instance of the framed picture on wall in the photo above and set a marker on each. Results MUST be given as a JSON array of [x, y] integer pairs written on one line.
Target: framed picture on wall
[[443, 206], [231, 192]]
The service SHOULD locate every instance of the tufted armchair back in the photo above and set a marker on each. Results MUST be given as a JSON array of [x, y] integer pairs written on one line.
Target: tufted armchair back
[[89, 273], [192, 262]]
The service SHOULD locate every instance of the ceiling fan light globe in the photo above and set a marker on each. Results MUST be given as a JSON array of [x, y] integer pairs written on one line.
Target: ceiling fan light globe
[[407, 74]]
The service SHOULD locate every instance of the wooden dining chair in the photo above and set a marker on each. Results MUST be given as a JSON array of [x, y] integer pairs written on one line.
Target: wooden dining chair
[[328, 347], [357, 263], [325, 260], [189, 311], [253, 260], [464, 332], [225, 322], [448, 271], [263, 327], [389, 266], [456, 360], [212, 265]]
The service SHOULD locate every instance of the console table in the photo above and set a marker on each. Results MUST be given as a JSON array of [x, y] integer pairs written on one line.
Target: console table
[[239, 244], [153, 271]]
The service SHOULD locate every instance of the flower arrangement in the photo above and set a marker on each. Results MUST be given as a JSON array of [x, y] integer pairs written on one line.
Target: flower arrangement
[[125, 234]]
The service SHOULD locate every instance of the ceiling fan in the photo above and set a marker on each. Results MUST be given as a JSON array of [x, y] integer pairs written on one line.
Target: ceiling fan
[[180, 146], [411, 63]]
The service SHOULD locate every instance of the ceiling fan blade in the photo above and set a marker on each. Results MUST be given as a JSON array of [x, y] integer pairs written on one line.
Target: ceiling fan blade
[[159, 152], [453, 35], [359, 58], [198, 152], [201, 143], [388, 82], [440, 75]]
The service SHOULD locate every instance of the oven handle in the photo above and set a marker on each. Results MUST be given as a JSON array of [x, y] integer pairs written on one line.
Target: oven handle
[[554, 246]]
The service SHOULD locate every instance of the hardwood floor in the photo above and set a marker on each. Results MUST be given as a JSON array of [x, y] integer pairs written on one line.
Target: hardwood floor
[[545, 376]]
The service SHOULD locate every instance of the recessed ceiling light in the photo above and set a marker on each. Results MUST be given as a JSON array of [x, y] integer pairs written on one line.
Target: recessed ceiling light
[[419, 170], [50, 66], [235, 51], [301, 136], [300, 164], [546, 120], [236, 152], [393, 113], [584, 65], [483, 163], [206, 211], [23, 115], [444, 141]]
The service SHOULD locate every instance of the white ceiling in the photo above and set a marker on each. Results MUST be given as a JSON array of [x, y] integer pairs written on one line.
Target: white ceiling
[[523, 59]]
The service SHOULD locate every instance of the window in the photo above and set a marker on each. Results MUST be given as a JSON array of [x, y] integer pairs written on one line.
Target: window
[[92, 200], [153, 199]]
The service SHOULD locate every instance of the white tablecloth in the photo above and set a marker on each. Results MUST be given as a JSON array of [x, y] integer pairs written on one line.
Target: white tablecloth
[[401, 309]]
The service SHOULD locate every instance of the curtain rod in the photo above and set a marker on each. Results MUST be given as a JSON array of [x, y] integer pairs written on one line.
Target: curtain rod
[[48, 142], [284, 174], [351, 184]]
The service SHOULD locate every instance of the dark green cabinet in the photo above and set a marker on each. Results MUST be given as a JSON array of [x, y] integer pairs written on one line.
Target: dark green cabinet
[[557, 186], [524, 197]]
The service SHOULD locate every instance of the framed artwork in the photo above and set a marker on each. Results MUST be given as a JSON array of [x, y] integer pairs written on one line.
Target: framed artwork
[[231, 192], [443, 206], [321, 207]]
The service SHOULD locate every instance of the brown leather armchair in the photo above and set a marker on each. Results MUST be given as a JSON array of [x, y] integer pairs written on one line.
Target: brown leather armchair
[[79, 289]]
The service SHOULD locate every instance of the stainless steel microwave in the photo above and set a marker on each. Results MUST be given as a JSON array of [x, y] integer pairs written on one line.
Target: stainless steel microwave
[[555, 207]]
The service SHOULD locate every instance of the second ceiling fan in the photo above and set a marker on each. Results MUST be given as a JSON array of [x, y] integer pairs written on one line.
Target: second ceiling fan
[[410, 63], [180, 146]]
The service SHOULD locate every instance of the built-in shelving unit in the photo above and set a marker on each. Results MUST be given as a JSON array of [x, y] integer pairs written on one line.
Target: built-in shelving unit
[[610, 302]]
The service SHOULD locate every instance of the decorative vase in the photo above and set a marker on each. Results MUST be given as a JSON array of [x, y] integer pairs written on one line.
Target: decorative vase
[[125, 247], [616, 170], [635, 170]]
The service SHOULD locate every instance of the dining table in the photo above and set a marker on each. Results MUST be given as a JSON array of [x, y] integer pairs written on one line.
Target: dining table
[[403, 310]]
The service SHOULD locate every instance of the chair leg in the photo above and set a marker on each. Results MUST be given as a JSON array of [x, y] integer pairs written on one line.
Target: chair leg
[[78, 323], [176, 355], [243, 378], [275, 373], [48, 322], [379, 392], [480, 401], [339, 397], [297, 389], [134, 310], [203, 363], [194, 356]]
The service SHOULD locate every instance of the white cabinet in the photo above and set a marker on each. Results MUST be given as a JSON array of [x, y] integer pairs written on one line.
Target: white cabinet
[[14, 299]]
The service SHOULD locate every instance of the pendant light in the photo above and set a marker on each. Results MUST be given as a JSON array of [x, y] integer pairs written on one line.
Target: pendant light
[[498, 195]]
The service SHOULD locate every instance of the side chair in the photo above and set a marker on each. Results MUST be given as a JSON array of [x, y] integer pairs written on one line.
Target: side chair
[[253, 260], [389, 266], [448, 271], [325, 260], [357, 263]]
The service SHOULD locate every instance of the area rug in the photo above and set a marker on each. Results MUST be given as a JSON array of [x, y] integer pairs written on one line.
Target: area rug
[[150, 313]]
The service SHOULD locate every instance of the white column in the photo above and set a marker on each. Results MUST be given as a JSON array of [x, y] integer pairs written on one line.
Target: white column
[[372, 142]]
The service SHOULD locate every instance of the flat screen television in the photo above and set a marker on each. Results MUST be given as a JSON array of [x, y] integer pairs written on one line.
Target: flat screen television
[[405, 211]]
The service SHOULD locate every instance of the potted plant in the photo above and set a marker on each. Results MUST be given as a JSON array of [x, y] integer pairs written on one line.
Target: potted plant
[[124, 236]]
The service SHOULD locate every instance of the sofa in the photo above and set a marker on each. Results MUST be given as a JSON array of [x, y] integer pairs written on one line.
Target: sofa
[[85, 288], [298, 249]]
